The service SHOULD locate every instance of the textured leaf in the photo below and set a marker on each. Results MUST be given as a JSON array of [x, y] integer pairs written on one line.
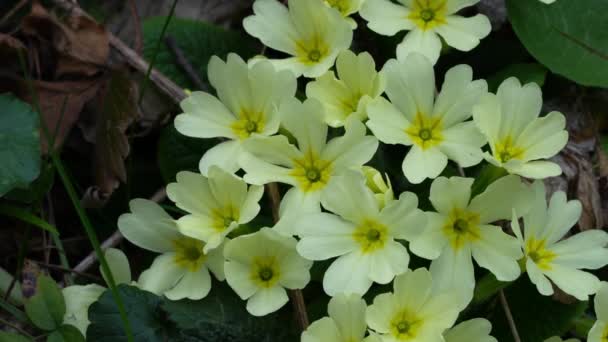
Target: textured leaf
[[177, 152], [198, 41], [10, 337], [525, 72], [19, 144], [537, 317], [569, 37], [142, 307], [221, 316], [66, 333], [47, 307]]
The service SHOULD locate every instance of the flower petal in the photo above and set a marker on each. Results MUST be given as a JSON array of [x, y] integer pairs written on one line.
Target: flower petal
[[464, 33], [322, 330], [348, 274], [305, 122], [225, 155], [403, 218], [269, 160], [348, 196], [250, 206], [432, 241], [477, 330], [388, 262], [585, 285], [462, 143], [226, 188], [295, 270], [119, 266], [410, 84], [387, 123], [453, 271], [601, 302], [148, 226], [295, 206], [561, 216], [451, 193], [544, 137], [420, 164], [353, 149], [500, 198], [324, 236], [162, 275], [78, 299], [385, 17], [204, 117], [272, 25], [348, 312], [536, 169], [587, 250], [497, 252], [519, 104], [425, 42], [538, 278], [266, 301], [192, 193], [193, 285], [413, 289], [238, 276]]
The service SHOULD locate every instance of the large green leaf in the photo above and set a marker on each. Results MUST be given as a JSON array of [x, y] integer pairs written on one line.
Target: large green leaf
[[221, 316], [177, 152], [142, 307], [198, 41], [66, 333], [537, 317], [47, 307], [19, 143], [570, 37]]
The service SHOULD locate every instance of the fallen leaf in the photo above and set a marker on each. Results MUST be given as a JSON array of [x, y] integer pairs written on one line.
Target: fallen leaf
[[82, 44], [29, 275]]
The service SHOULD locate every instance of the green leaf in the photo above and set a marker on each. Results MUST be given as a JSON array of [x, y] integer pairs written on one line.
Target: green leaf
[[221, 316], [568, 37], [537, 317], [525, 72], [19, 144], [10, 337], [47, 307], [177, 152], [37, 189], [66, 333], [198, 41], [142, 308]]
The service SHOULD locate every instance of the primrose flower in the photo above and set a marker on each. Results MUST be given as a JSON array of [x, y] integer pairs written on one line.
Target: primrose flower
[[434, 127], [414, 311], [559, 339], [518, 137], [383, 190], [358, 83], [346, 322], [78, 298], [548, 1], [599, 331], [474, 330], [217, 204], [309, 31], [363, 236], [260, 266], [460, 231], [310, 165], [548, 255], [426, 21], [182, 270], [246, 103], [347, 8]]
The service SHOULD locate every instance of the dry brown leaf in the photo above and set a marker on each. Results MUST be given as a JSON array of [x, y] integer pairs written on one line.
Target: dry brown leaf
[[82, 44], [61, 104], [29, 275]]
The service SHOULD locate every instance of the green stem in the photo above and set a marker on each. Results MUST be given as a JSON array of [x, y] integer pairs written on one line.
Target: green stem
[[84, 219]]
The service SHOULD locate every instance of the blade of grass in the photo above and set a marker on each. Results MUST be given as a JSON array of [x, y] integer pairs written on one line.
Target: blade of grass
[[69, 279], [142, 88], [13, 310], [26, 216], [84, 219]]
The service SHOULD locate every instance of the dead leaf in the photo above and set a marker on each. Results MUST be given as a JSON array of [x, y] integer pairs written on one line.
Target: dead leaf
[[29, 275], [116, 109], [61, 104], [82, 44]]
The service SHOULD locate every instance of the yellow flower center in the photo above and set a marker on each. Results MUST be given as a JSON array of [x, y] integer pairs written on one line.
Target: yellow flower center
[[371, 236], [265, 271], [248, 123], [425, 131], [427, 14], [537, 252], [340, 5], [506, 150], [311, 51], [223, 217], [461, 227], [405, 326], [311, 172], [189, 253], [605, 334]]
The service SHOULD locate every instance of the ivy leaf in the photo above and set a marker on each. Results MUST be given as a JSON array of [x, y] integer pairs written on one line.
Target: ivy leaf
[[569, 37], [198, 40], [221, 316], [47, 307], [177, 152], [537, 317], [19, 144], [142, 307]]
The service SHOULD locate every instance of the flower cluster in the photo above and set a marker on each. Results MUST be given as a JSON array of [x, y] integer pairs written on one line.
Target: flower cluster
[[337, 207]]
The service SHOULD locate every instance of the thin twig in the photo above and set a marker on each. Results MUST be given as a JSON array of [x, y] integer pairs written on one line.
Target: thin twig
[[114, 239], [296, 297], [16, 327], [139, 43], [69, 270], [13, 11], [63, 258], [505, 307], [182, 61]]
